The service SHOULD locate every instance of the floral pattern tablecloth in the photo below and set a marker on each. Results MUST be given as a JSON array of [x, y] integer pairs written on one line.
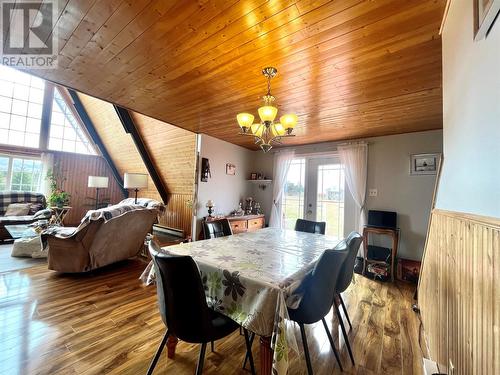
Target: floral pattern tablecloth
[[251, 277]]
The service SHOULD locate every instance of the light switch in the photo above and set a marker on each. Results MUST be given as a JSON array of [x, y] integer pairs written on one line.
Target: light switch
[[372, 192]]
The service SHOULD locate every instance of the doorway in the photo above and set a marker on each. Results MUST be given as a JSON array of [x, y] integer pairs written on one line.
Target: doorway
[[316, 190]]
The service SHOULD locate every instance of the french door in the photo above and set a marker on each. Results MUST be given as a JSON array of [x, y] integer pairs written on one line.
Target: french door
[[316, 190]]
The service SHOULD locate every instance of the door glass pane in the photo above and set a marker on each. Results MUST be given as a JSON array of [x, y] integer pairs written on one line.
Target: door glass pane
[[293, 201], [330, 198]]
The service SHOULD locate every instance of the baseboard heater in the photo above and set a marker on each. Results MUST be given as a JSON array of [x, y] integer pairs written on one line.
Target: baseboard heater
[[161, 229]]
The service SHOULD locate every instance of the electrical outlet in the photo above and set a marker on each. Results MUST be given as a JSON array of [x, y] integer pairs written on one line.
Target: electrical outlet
[[372, 192], [451, 368]]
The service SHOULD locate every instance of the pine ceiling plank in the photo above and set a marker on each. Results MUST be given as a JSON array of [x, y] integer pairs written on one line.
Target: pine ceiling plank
[[304, 59], [123, 15], [347, 68]]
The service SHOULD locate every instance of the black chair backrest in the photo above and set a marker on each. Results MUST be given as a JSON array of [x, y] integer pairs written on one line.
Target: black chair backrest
[[353, 242], [318, 287], [309, 226], [216, 228], [181, 297]]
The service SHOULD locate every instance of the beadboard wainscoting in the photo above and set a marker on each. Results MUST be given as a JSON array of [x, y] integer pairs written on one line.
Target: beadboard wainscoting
[[459, 292]]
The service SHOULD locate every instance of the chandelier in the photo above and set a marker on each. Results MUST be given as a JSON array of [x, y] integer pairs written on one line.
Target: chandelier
[[267, 131]]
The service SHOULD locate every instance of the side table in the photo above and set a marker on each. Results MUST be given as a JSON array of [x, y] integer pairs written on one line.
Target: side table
[[394, 234], [59, 213]]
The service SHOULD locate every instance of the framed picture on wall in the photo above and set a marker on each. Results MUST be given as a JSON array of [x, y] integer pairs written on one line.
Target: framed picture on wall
[[485, 14], [424, 164], [230, 169]]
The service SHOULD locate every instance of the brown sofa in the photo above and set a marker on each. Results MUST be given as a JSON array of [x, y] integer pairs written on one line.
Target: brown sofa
[[8, 197], [99, 242]]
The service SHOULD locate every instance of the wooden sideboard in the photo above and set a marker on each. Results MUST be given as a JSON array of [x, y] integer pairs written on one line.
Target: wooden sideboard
[[247, 223]]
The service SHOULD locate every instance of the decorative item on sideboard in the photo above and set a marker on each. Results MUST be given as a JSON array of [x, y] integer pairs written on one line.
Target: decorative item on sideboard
[[210, 205], [249, 206]]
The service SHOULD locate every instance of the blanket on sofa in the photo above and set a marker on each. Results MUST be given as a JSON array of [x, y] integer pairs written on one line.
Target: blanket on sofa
[[106, 214]]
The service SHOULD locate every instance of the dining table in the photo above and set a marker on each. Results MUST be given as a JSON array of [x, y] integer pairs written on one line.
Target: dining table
[[253, 278]]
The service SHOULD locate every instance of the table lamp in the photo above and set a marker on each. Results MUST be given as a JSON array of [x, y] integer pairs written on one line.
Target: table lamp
[[97, 182], [135, 181], [210, 205]]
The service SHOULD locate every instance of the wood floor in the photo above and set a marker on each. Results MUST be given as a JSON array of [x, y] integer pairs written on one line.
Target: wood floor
[[107, 322]]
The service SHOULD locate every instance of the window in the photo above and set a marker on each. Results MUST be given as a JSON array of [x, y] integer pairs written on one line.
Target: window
[[330, 198], [65, 131], [20, 174], [293, 201], [21, 99]]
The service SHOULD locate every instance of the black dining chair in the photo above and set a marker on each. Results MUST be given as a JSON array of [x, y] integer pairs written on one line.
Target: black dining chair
[[318, 289], [216, 228], [309, 226], [183, 306], [353, 242]]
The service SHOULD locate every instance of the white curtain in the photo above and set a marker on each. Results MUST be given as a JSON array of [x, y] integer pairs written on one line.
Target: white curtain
[[282, 161], [47, 164], [354, 156]]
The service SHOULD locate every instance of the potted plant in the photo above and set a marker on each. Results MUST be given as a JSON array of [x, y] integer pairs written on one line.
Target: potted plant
[[58, 197]]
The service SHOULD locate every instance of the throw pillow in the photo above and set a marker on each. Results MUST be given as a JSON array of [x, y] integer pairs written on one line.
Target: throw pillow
[[35, 207], [18, 209]]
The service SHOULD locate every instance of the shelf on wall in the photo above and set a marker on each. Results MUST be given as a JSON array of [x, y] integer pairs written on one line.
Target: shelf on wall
[[261, 181]]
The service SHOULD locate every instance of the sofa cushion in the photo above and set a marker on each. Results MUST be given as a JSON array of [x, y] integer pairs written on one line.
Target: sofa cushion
[[18, 209], [35, 207], [8, 197]]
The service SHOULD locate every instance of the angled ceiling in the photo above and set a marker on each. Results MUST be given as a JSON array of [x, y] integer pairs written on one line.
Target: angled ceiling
[[348, 69]]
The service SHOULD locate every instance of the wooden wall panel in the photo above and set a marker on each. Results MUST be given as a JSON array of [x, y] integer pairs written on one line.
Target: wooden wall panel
[[119, 144], [77, 168], [459, 292], [172, 150]]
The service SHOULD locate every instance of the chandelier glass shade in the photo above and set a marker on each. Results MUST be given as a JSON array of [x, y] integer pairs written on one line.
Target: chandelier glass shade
[[267, 131]]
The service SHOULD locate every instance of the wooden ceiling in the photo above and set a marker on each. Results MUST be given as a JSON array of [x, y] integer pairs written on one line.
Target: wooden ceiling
[[347, 68]]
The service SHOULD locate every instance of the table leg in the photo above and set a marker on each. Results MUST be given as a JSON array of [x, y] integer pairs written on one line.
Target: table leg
[[266, 355], [171, 344]]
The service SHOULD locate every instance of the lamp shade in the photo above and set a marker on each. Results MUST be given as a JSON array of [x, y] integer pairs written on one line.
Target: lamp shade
[[257, 129], [289, 121], [278, 130], [245, 120], [135, 180], [98, 182], [267, 113]]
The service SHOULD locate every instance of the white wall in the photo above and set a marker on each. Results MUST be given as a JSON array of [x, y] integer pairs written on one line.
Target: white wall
[[389, 172], [409, 195], [470, 180], [225, 190]]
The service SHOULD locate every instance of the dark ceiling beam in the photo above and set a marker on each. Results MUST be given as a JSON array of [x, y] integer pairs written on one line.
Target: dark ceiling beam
[[89, 125], [130, 128]]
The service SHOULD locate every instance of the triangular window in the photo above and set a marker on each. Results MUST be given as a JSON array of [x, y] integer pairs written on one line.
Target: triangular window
[[66, 132]]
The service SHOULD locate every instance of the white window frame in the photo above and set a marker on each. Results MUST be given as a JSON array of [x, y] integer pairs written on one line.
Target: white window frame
[[27, 116], [11, 158]]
